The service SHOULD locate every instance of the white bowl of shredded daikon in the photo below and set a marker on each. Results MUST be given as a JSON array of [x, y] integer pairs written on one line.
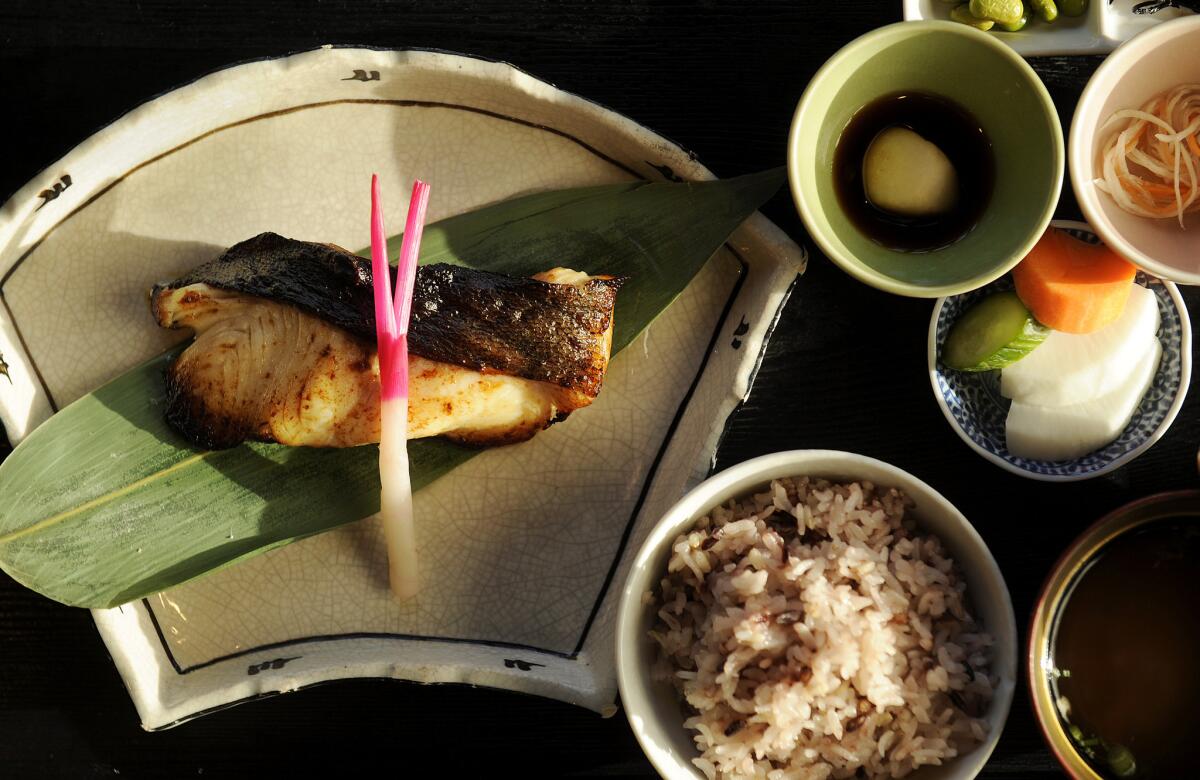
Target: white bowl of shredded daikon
[[1143, 196]]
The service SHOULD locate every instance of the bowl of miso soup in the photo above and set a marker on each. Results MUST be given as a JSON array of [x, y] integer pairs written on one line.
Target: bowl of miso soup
[[1115, 644], [926, 158]]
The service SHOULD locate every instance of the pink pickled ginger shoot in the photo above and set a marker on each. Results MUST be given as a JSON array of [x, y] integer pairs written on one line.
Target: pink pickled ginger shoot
[[391, 330]]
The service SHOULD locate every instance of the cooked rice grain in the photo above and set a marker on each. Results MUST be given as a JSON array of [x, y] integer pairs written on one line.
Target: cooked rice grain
[[814, 633]]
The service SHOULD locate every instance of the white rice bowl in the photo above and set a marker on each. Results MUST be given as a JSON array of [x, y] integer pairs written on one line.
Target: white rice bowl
[[815, 632]]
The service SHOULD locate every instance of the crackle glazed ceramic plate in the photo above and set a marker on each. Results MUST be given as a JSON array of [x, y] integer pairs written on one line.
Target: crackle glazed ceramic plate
[[523, 548]]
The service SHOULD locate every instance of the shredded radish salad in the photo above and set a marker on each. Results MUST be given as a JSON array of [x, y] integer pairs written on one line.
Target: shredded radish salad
[[1151, 165]]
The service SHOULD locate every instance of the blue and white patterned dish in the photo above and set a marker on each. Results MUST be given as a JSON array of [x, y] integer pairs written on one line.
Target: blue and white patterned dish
[[976, 411]]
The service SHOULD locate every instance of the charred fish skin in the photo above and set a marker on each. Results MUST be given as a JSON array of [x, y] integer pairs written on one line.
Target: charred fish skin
[[323, 279], [286, 370], [521, 327], [484, 321]]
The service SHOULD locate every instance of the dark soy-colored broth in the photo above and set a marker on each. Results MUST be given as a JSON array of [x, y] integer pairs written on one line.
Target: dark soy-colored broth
[[1126, 651], [942, 123]]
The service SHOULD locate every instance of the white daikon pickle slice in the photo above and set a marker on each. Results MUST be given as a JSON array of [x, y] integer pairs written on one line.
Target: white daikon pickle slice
[[1067, 432], [1070, 368]]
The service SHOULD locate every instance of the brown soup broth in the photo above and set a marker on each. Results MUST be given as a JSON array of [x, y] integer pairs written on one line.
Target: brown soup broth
[[1126, 653], [942, 123]]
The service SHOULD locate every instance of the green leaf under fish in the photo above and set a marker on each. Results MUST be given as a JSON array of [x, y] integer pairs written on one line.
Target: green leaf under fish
[[105, 503]]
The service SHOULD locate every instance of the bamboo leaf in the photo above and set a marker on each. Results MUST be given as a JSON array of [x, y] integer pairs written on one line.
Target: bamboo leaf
[[105, 503]]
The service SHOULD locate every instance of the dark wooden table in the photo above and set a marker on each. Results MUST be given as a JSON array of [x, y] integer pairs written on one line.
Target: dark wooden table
[[846, 368]]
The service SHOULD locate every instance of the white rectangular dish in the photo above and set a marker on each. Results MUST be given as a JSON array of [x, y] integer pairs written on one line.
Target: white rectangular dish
[[1103, 28]]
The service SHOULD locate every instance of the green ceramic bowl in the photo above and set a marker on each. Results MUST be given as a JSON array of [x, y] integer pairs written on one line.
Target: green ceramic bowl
[[983, 76]]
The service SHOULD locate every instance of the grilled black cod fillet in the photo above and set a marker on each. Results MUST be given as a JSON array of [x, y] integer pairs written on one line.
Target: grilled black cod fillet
[[285, 348]]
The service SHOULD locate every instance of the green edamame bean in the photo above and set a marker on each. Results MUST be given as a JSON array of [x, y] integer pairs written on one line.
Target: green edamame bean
[[1002, 11], [1020, 23], [1046, 9], [1073, 7], [961, 13]]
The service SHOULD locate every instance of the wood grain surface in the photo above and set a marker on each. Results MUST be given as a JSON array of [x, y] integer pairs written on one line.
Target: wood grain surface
[[845, 370]]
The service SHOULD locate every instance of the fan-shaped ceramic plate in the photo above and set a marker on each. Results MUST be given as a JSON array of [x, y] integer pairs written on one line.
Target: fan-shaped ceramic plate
[[521, 546]]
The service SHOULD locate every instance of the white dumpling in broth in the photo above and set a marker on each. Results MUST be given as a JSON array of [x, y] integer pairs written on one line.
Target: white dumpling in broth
[[905, 174]]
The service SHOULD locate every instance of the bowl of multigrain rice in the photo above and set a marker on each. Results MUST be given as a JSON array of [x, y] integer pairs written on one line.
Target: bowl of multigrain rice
[[815, 614]]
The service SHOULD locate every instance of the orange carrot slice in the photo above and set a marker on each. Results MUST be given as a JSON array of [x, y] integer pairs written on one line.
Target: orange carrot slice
[[1073, 286]]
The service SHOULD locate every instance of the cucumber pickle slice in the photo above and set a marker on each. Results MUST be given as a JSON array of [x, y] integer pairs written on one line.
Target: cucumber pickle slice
[[994, 333]]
